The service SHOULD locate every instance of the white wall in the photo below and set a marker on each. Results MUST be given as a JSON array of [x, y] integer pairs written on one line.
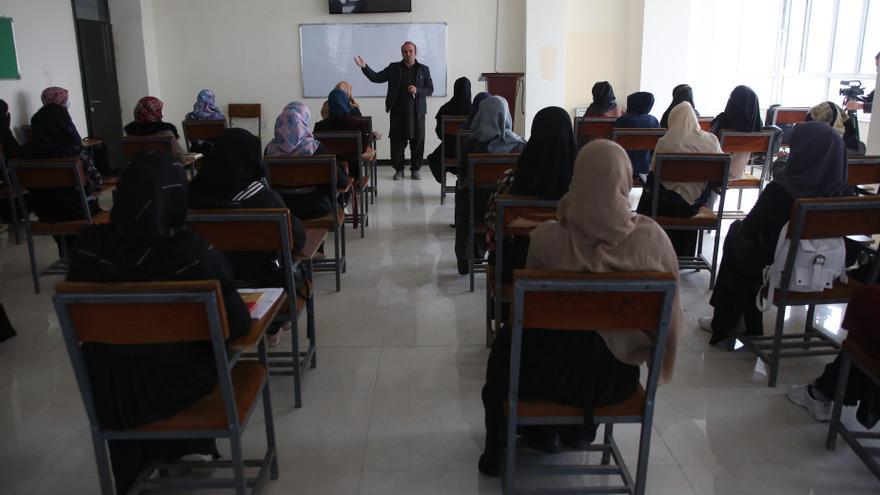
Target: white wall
[[134, 44], [665, 48], [249, 51], [45, 40], [545, 56]]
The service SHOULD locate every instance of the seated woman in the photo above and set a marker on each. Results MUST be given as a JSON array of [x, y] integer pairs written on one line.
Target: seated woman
[[55, 136], [460, 106], [345, 86], [204, 109], [741, 114], [293, 138], [816, 168], [543, 170], [680, 93], [11, 148], [596, 233], [232, 177], [817, 397], [342, 119], [604, 102], [475, 107], [148, 122], [680, 199], [493, 133], [638, 116], [837, 118], [147, 240]]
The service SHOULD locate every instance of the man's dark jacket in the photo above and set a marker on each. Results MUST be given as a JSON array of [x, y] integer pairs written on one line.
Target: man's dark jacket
[[392, 74]]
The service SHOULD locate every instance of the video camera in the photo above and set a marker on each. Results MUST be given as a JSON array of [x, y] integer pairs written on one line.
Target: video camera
[[852, 90]]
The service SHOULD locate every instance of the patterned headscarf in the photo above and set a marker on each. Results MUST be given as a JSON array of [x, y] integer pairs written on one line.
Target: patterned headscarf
[[56, 95], [204, 108], [148, 109], [292, 135]]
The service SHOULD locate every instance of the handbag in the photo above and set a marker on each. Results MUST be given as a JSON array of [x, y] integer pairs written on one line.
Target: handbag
[[817, 264]]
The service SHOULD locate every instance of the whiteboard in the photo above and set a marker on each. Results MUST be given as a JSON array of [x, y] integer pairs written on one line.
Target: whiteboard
[[327, 54]]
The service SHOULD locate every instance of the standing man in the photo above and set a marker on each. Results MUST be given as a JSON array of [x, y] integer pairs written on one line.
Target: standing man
[[409, 83]]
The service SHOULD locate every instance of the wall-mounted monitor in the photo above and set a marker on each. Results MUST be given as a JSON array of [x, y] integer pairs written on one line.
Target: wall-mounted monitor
[[369, 6]]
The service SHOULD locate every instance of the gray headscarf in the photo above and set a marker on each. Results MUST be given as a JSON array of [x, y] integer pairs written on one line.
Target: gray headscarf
[[493, 126]]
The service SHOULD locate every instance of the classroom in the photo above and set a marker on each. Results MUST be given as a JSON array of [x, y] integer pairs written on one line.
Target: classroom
[[459, 247]]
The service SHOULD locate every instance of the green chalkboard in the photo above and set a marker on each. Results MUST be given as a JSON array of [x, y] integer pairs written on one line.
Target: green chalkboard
[[8, 59]]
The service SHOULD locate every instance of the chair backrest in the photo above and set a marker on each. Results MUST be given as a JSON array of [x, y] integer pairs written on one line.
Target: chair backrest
[[460, 135], [752, 142], [47, 173], [863, 170], [449, 127], [816, 218], [202, 130], [342, 143], [141, 313], [705, 123], [692, 167], [589, 128], [517, 216], [787, 115], [244, 111], [134, 144], [247, 230], [296, 172], [485, 169], [567, 301], [637, 139]]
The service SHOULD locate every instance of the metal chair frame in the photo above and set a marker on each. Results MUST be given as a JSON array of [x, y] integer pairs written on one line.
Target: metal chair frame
[[162, 295], [589, 286], [697, 262], [337, 264], [293, 362], [362, 218], [768, 153], [453, 124], [822, 215], [372, 165]]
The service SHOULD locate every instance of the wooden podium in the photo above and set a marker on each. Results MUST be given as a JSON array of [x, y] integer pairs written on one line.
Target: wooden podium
[[503, 84]]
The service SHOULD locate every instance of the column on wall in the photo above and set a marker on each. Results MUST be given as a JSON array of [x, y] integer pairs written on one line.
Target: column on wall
[[545, 56]]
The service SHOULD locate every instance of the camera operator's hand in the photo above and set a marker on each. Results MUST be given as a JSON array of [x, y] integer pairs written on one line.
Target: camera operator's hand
[[854, 105]]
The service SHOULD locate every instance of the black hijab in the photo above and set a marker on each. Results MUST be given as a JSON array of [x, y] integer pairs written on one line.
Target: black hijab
[[741, 113], [817, 163], [233, 164], [680, 93], [640, 103], [460, 104], [475, 107], [545, 165], [603, 99], [54, 132]]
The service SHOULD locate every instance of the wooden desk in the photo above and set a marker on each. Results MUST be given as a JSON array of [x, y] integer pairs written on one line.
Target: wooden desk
[[314, 239], [90, 142], [258, 327]]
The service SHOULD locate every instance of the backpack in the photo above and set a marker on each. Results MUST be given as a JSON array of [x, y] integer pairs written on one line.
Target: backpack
[[817, 264]]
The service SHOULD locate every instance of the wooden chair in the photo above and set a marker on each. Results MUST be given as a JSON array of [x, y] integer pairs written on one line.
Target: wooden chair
[[246, 111], [780, 115], [705, 123], [637, 140], [372, 163], [44, 174], [854, 354], [288, 174], [173, 312], [862, 171], [134, 144], [9, 195], [449, 126], [814, 218], [587, 129], [351, 143], [484, 171], [694, 167], [589, 302], [201, 130], [266, 230], [763, 143], [514, 216]]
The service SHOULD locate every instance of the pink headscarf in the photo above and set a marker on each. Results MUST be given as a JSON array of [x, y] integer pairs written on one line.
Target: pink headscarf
[[56, 95], [292, 135]]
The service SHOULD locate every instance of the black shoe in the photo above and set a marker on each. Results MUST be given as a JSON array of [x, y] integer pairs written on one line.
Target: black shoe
[[415, 175], [547, 442], [489, 466], [397, 175], [463, 267]]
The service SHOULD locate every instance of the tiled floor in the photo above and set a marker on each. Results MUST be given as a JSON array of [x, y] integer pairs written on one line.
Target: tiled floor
[[394, 405]]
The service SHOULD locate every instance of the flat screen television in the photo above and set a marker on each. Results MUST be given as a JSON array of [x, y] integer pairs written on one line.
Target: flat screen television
[[369, 6]]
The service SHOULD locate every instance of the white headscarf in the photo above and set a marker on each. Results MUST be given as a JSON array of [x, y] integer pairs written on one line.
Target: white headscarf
[[685, 136]]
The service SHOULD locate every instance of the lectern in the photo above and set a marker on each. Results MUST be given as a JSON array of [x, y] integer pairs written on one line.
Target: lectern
[[503, 84]]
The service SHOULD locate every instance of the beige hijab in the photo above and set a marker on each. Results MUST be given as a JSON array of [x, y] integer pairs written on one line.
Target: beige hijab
[[685, 136], [344, 86], [597, 232]]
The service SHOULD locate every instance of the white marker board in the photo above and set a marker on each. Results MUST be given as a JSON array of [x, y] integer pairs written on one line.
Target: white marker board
[[328, 51]]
